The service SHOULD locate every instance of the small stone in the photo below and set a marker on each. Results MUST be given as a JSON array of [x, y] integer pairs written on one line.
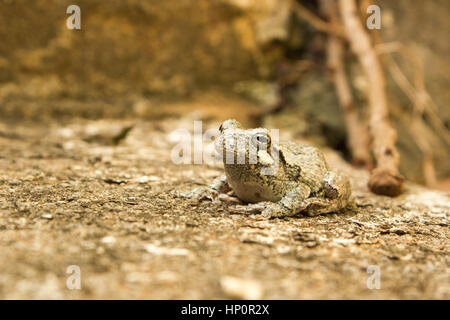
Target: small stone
[[239, 288], [150, 248], [108, 240], [47, 216], [167, 277], [146, 179]]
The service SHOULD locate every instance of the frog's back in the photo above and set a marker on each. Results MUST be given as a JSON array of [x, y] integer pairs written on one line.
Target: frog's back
[[307, 161]]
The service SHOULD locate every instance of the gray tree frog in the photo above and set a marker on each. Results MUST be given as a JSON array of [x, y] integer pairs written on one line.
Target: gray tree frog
[[300, 181]]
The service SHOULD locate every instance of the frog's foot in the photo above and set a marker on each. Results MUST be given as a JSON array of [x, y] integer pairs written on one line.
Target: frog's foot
[[316, 206], [224, 197], [249, 209], [266, 208], [289, 206], [277, 210], [198, 194], [211, 192]]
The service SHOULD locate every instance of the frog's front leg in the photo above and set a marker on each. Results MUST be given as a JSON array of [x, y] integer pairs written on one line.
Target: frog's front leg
[[291, 204], [335, 194], [211, 192]]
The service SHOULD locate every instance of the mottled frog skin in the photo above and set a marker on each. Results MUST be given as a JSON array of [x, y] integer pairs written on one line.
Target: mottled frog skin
[[275, 179]]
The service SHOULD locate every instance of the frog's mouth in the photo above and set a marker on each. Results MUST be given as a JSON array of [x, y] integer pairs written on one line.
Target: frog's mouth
[[233, 156], [265, 158]]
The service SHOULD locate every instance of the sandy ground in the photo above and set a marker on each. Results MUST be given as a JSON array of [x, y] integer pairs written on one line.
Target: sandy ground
[[68, 196]]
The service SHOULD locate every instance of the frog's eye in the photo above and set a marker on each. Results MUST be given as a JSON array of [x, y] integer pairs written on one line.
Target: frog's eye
[[261, 139]]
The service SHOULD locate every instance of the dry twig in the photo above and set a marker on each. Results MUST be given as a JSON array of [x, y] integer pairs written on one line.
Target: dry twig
[[357, 137], [420, 100], [417, 92], [385, 178], [315, 21]]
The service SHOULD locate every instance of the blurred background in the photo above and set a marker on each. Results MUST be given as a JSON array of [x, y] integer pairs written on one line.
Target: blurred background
[[255, 60], [88, 122]]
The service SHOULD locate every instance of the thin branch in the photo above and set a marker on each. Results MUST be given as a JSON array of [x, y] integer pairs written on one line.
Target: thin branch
[[385, 179], [418, 94], [357, 137], [420, 100], [315, 21]]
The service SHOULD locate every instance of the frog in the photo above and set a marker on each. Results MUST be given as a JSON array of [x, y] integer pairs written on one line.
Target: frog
[[275, 179]]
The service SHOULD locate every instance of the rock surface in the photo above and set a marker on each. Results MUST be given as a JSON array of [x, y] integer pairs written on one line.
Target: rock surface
[[67, 199]]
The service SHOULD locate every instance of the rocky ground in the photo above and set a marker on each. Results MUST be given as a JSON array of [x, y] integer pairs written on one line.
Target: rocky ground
[[86, 193]]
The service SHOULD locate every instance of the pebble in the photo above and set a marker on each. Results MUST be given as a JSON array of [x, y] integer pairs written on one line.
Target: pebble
[[108, 240], [150, 248], [239, 288], [146, 179]]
